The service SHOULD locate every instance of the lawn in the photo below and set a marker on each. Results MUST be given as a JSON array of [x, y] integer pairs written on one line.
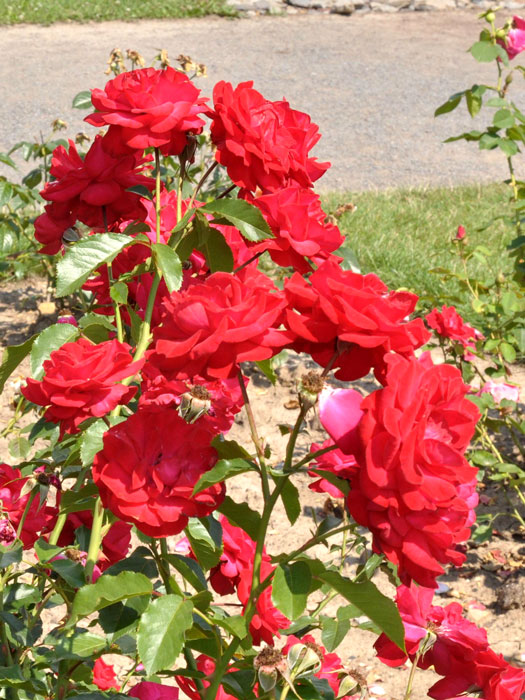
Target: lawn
[[402, 234], [50, 11]]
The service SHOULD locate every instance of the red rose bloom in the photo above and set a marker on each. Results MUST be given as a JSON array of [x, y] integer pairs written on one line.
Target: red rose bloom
[[97, 184], [261, 143], [456, 639], [414, 490], [355, 315], [148, 468], [51, 226], [38, 520], [149, 107], [206, 665], [104, 676], [81, 380], [115, 544], [146, 690], [449, 324], [212, 326], [300, 228]]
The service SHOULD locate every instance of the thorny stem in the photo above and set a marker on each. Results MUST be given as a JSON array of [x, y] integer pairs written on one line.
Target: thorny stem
[[313, 455], [408, 691], [248, 262], [255, 437]]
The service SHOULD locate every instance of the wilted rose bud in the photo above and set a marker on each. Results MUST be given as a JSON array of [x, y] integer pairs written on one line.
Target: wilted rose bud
[[7, 532], [269, 663], [310, 386], [58, 125], [195, 403]]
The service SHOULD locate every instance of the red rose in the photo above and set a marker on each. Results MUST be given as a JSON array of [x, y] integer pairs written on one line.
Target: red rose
[[300, 228], [263, 144], [104, 676], [51, 226], [206, 665], [456, 639], [414, 490], [354, 315], [146, 690], [148, 468], [38, 520], [212, 326], [449, 324], [149, 107], [81, 380], [115, 543], [97, 185]]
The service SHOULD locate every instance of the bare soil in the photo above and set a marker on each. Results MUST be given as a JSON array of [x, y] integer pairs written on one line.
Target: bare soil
[[490, 587]]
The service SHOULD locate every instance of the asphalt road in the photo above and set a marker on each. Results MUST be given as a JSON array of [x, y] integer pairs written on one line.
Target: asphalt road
[[371, 82]]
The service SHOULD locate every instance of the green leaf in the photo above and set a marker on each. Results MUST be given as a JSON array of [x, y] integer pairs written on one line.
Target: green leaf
[[509, 147], [378, 608], [342, 484], [205, 536], [12, 357], [13, 677], [212, 243], [169, 264], [290, 499], [91, 441], [503, 119], [119, 292], [190, 570], [290, 588], [449, 105], [33, 178], [486, 51], [80, 644], [161, 632], [267, 369], [85, 256], [241, 515], [121, 618], [19, 447], [6, 160], [108, 590], [473, 102], [508, 352], [334, 631], [229, 449], [72, 572], [82, 100], [93, 319], [141, 190], [223, 469], [139, 561], [234, 624], [50, 339], [10, 555], [244, 216]]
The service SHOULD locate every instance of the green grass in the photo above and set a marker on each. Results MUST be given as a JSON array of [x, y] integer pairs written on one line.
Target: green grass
[[402, 234], [50, 11]]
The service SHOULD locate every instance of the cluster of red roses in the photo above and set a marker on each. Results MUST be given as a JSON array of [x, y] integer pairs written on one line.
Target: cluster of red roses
[[402, 448]]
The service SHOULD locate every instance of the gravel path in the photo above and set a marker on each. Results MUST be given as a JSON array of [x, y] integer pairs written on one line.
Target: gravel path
[[371, 82]]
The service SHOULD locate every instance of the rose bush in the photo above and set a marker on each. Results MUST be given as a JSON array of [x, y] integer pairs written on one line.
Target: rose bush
[[135, 396]]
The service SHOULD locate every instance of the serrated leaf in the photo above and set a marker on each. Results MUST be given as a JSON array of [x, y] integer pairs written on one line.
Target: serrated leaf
[[12, 357], [108, 590], [50, 339], [503, 119], [84, 257], [141, 190], [80, 644], [267, 369], [378, 608], [222, 470], [290, 499], [241, 515], [119, 292], [449, 105], [169, 264], [82, 100], [10, 555], [161, 632], [205, 536], [120, 618], [93, 319], [290, 588], [13, 677], [91, 441], [334, 631], [244, 216], [190, 570], [486, 51], [139, 561]]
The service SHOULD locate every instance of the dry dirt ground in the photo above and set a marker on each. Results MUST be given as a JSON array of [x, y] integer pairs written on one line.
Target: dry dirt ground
[[490, 587]]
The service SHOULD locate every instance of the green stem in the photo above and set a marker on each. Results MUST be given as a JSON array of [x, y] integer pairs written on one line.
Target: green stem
[[290, 447], [157, 193], [26, 511], [190, 662], [408, 691], [95, 539], [313, 455], [255, 437], [201, 182]]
